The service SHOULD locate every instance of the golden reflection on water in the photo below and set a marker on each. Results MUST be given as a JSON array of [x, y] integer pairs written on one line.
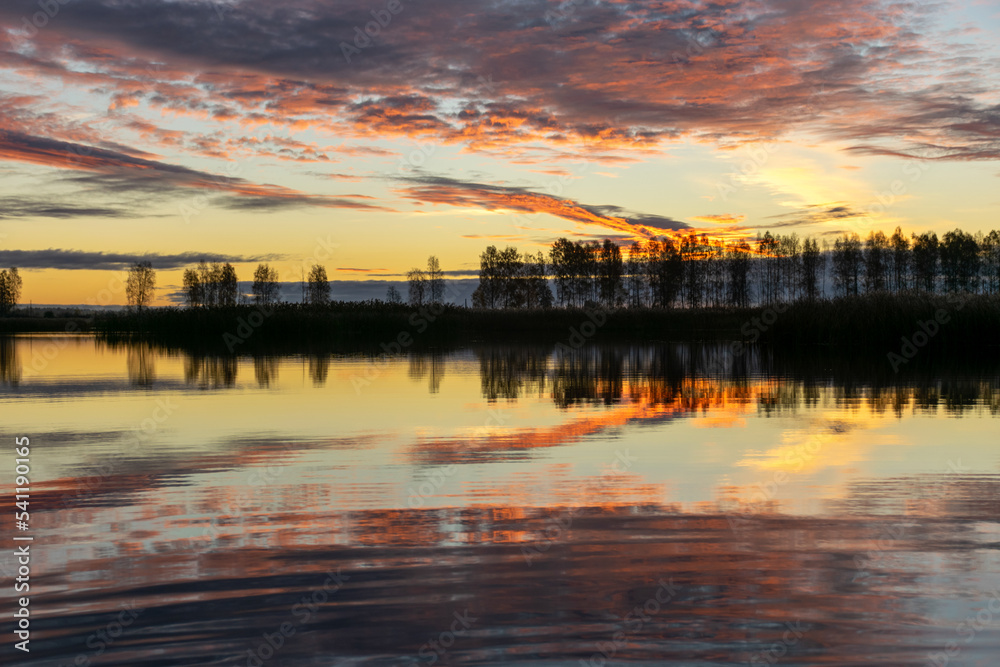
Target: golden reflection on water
[[547, 495]]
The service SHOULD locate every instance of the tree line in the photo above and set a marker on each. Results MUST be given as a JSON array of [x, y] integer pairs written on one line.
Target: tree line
[[695, 271], [687, 271], [424, 287], [217, 285]]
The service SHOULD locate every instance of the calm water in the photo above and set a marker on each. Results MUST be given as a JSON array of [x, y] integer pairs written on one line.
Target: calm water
[[623, 505]]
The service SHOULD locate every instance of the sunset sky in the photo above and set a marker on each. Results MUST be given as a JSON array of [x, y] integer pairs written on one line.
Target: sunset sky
[[254, 130]]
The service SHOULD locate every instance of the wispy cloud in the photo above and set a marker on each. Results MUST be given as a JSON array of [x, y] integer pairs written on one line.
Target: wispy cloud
[[26, 207], [117, 172], [816, 214], [454, 192], [722, 219]]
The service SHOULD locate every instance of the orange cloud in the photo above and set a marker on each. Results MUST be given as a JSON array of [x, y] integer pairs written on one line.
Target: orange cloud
[[440, 190], [724, 219]]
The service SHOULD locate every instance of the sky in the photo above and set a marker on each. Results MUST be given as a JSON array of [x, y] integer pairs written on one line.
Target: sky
[[366, 135]]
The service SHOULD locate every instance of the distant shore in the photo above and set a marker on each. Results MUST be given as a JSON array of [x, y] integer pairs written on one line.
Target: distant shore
[[882, 323]]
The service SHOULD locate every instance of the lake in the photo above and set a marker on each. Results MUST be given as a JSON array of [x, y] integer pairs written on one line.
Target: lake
[[610, 505]]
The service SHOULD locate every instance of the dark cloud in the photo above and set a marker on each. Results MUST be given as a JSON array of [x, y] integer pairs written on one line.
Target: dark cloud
[[645, 219], [815, 214], [117, 172], [25, 207], [265, 203], [578, 76], [54, 258]]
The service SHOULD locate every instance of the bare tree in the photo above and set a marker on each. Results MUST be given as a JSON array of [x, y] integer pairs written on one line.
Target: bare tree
[[319, 286], [418, 287], [435, 280], [265, 285], [10, 290], [140, 285], [393, 296]]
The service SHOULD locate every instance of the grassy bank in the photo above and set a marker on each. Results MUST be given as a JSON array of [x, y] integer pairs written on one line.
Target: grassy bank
[[876, 322], [882, 321], [12, 325]]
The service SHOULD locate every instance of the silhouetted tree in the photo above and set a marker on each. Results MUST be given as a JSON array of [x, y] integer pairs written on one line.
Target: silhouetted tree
[[959, 261], [208, 278], [610, 273], [697, 271], [876, 251], [508, 280], [847, 261], [194, 291], [768, 274], [228, 291], [393, 296], [925, 261], [417, 281], [990, 250], [487, 294], [435, 280], [574, 266], [562, 257], [738, 270], [10, 290], [635, 275], [140, 284], [318, 288], [666, 271], [813, 266], [899, 261], [694, 280], [510, 271], [789, 266], [715, 273], [536, 286], [265, 285]]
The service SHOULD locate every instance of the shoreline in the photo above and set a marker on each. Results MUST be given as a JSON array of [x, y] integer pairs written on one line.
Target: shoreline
[[884, 322]]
